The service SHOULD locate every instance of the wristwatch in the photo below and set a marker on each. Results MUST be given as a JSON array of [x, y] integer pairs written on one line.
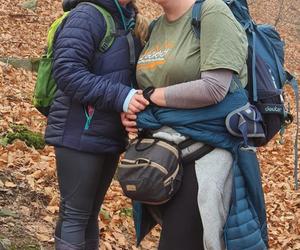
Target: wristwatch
[[147, 94]]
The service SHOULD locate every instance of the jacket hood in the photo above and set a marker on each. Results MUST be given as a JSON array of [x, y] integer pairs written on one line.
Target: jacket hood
[[109, 5]]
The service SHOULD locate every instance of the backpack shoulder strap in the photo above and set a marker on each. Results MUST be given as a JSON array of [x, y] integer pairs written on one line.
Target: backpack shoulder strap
[[151, 25], [196, 15], [110, 32], [52, 33]]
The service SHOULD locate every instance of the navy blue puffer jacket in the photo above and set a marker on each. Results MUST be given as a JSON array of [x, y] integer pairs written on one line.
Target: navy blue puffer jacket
[[90, 83]]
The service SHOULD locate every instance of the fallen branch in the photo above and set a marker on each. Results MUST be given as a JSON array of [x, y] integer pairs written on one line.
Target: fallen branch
[[31, 64], [22, 15]]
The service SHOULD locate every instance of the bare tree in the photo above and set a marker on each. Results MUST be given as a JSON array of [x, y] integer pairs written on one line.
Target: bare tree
[[280, 12]]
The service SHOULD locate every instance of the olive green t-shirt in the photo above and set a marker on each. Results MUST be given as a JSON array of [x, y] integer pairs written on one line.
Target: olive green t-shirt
[[174, 54]]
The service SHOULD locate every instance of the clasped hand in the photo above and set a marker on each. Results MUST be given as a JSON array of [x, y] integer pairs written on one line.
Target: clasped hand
[[137, 104]]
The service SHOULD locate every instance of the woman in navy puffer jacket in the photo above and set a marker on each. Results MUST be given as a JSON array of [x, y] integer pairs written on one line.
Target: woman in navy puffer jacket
[[84, 120]]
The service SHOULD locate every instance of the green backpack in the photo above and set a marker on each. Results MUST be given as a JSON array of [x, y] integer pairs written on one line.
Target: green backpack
[[45, 87]]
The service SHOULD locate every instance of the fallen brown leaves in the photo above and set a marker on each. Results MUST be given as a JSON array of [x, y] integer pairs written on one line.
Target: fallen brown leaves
[[29, 196]]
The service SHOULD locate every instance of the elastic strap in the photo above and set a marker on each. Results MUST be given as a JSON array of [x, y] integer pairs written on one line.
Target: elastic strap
[[291, 80], [254, 82], [279, 70]]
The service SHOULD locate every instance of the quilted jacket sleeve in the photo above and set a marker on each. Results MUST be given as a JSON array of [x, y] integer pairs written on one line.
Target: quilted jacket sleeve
[[74, 51]]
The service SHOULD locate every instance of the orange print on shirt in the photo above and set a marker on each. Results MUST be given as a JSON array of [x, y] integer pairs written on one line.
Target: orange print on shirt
[[155, 56], [150, 65]]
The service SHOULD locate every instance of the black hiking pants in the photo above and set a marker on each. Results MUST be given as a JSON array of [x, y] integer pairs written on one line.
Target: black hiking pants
[[181, 222], [83, 180]]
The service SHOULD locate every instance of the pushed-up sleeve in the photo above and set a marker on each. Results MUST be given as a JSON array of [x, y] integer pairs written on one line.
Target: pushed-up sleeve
[[209, 90], [74, 50]]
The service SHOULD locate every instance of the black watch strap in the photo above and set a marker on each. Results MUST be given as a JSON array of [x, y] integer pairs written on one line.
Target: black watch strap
[[147, 94]]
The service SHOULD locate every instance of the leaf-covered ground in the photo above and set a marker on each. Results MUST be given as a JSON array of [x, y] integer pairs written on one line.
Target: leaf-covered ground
[[28, 189]]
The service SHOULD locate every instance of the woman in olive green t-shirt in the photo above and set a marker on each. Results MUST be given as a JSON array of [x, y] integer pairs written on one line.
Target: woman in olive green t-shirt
[[190, 73]]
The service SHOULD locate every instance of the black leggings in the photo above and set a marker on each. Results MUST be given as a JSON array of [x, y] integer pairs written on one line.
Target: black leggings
[[83, 181], [181, 222]]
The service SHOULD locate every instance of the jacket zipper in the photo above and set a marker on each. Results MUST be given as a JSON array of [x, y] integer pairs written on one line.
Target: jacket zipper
[[172, 177], [89, 112]]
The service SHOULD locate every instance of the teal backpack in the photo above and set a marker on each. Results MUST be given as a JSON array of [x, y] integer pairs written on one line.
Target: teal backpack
[[267, 75], [45, 87]]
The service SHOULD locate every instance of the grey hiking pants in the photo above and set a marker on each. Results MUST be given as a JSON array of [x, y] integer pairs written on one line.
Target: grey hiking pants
[[83, 180]]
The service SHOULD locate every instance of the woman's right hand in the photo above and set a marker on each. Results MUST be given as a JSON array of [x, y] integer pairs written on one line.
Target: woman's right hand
[[137, 103], [129, 122]]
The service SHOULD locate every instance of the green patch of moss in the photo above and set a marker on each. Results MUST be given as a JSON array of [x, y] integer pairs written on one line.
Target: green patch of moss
[[32, 139], [25, 247], [24, 244], [127, 211]]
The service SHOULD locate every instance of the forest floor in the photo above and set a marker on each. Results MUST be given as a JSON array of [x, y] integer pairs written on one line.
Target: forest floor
[[28, 188]]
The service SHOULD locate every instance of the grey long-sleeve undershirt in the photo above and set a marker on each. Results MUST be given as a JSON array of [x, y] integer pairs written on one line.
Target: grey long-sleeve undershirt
[[210, 89]]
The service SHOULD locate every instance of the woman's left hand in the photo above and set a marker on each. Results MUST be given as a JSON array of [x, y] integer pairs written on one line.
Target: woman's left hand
[[129, 122]]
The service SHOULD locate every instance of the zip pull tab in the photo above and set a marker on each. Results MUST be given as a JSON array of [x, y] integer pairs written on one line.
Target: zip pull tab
[[172, 186], [87, 123], [89, 112]]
